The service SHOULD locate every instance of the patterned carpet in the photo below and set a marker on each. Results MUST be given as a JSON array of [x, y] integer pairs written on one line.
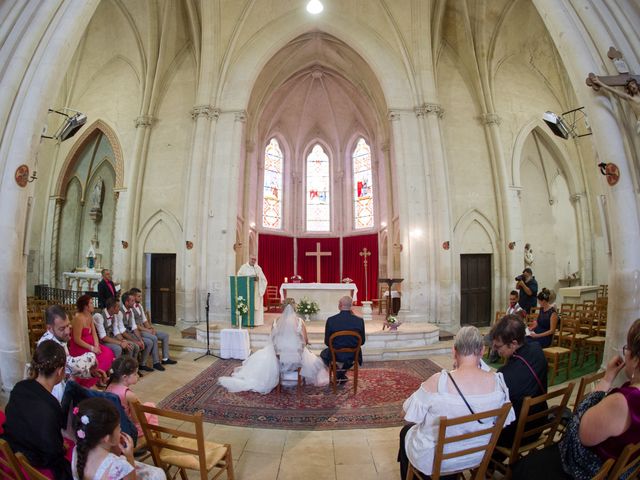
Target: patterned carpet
[[382, 388]]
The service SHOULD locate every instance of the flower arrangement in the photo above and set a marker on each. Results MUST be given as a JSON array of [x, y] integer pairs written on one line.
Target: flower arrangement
[[241, 306], [296, 279], [347, 280], [307, 307], [392, 322]]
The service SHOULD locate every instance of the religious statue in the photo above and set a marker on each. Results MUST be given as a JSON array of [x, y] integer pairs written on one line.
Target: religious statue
[[91, 256], [97, 198], [631, 95], [528, 255], [252, 269]]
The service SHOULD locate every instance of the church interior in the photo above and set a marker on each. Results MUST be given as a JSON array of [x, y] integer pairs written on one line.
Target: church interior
[[416, 155]]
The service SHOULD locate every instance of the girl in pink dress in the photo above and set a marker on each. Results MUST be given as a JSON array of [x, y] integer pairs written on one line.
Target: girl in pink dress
[[85, 339], [125, 375]]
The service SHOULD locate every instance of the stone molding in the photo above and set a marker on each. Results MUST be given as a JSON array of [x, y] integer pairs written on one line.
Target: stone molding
[[240, 116], [427, 108], [144, 121], [208, 111], [490, 119]]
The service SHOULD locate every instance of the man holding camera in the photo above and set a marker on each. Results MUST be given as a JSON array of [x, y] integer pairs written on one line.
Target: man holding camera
[[527, 285]]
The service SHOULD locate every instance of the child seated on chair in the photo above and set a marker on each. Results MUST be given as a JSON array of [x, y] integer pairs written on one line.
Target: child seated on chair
[[124, 375], [102, 449]]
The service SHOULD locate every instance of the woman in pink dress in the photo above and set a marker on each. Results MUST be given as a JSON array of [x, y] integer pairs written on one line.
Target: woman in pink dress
[[85, 339]]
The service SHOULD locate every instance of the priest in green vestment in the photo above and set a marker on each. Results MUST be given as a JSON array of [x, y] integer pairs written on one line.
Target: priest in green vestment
[[252, 269]]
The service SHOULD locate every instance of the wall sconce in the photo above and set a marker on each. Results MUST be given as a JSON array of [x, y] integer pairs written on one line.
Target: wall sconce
[[446, 245], [22, 176], [512, 245], [611, 171], [189, 245], [125, 244]]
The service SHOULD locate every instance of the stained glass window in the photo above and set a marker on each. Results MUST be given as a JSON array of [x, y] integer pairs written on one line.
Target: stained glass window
[[362, 186], [318, 202], [272, 193]]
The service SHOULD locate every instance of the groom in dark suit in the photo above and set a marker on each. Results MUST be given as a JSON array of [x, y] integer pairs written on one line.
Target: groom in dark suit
[[344, 321]]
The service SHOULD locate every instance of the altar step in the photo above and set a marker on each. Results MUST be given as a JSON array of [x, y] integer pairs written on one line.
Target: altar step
[[410, 341]]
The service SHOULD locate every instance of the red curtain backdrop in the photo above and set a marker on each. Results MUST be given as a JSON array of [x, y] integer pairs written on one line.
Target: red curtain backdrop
[[329, 266], [275, 256], [353, 266]]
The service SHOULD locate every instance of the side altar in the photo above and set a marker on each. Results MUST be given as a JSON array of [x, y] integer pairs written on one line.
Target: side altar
[[325, 294]]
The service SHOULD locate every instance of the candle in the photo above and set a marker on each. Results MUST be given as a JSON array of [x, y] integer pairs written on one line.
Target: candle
[[286, 279]]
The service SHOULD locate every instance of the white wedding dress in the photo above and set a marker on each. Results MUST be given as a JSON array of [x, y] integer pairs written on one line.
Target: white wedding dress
[[261, 371]]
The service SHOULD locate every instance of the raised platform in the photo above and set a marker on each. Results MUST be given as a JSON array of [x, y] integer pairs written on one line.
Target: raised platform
[[411, 340]]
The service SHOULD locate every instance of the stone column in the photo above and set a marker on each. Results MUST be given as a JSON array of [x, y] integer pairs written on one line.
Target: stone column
[[123, 262], [507, 206], [204, 117], [52, 246], [35, 57], [416, 231], [573, 29], [223, 182]]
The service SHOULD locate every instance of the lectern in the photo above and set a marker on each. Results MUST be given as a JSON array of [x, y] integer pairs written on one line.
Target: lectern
[[389, 282]]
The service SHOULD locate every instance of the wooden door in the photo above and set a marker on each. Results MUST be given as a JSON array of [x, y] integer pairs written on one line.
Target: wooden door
[[163, 288], [475, 289]]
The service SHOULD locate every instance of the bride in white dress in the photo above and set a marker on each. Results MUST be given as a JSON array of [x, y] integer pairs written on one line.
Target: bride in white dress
[[261, 371]]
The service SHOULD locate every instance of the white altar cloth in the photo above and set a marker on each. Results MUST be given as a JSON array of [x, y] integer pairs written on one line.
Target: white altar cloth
[[325, 294], [234, 343]]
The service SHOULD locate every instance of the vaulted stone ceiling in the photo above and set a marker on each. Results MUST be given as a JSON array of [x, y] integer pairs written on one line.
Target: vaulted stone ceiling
[[317, 87]]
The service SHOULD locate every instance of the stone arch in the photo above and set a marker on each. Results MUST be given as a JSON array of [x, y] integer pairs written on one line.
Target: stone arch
[[251, 57], [172, 224], [558, 151], [475, 218], [67, 167]]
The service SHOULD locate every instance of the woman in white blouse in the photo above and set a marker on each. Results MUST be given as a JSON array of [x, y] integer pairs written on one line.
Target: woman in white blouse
[[438, 397]]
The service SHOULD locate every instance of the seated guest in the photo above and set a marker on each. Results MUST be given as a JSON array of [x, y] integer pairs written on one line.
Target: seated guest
[[59, 330], [34, 418], [514, 308], [84, 338], [545, 325], [147, 330], [525, 372], [343, 321], [133, 334], [438, 396], [111, 330], [98, 433], [605, 422]]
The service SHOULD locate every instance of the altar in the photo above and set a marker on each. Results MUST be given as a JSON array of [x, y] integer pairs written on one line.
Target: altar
[[86, 281], [325, 294]]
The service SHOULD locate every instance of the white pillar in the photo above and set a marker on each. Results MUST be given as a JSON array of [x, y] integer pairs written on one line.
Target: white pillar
[[574, 40], [223, 181], [416, 234], [34, 57]]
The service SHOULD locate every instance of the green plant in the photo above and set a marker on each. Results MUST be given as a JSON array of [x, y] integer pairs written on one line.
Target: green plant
[[307, 307]]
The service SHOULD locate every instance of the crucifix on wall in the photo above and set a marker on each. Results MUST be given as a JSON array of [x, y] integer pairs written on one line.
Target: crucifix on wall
[[318, 254]]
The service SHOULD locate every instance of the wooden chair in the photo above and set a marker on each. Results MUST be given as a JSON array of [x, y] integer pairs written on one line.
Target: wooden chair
[[629, 460], [9, 464], [594, 345], [604, 470], [546, 426], [566, 307], [603, 291], [283, 376], [559, 355], [30, 470], [582, 387], [273, 298], [492, 429], [333, 368], [183, 448]]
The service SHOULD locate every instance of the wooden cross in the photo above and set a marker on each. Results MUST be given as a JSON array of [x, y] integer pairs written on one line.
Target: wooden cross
[[364, 254], [318, 254]]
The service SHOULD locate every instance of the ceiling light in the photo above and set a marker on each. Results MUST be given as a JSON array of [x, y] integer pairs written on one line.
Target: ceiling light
[[314, 7]]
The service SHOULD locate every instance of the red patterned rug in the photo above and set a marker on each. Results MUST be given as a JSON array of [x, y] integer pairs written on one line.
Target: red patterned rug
[[382, 388]]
